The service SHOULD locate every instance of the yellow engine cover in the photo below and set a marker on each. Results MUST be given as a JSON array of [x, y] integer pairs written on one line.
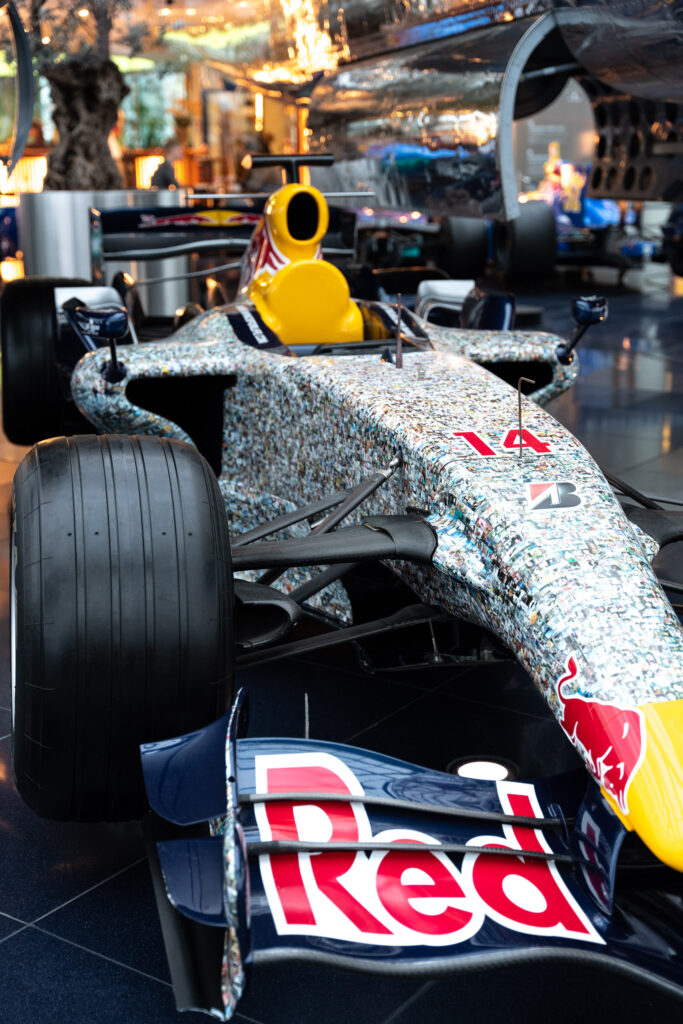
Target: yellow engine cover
[[301, 297], [308, 303]]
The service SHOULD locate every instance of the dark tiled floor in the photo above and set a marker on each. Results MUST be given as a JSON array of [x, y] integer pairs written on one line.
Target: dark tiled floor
[[79, 937]]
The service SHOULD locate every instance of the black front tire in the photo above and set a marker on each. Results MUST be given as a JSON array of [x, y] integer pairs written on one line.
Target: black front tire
[[526, 248], [677, 263], [33, 406], [462, 247], [122, 616]]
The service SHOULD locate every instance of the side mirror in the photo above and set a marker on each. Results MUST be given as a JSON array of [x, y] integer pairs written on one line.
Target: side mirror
[[92, 326], [589, 310], [102, 323]]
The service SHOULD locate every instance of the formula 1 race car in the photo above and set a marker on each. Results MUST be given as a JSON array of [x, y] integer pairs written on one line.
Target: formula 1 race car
[[589, 230], [501, 534]]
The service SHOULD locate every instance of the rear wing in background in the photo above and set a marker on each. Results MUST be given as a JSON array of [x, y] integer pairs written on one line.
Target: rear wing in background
[[210, 222]]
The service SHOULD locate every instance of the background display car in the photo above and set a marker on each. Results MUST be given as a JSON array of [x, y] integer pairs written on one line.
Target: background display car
[[673, 239], [501, 533], [459, 247], [590, 230]]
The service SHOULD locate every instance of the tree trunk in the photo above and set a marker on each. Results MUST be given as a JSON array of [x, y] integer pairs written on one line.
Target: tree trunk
[[86, 93]]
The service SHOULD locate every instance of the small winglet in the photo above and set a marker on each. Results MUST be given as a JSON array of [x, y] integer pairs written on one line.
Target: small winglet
[[596, 842], [185, 776], [193, 876]]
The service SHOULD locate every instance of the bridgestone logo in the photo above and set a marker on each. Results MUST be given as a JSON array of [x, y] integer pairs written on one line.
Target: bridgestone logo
[[551, 496]]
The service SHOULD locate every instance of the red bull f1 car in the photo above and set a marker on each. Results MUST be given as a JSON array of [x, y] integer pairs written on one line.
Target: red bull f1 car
[[365, 461]]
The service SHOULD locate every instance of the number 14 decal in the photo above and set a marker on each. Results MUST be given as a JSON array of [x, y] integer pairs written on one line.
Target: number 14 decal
[[511, 442]]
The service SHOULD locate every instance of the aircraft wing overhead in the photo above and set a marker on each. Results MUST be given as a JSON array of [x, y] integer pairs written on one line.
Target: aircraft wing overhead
[[418, 100]]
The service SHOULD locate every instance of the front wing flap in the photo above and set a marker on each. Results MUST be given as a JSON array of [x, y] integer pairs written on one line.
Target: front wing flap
[[326, 852]]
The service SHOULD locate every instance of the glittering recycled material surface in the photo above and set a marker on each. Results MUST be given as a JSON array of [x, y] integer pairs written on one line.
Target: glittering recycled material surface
[[232, 967], [532, 543]]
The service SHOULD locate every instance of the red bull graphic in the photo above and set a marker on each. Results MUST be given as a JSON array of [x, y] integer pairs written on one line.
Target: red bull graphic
[[262, 254], [610, 738], [403, 896], [201, 218]]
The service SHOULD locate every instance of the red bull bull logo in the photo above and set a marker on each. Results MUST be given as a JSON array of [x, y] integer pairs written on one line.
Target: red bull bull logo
[[211, 218], [610, 738], [262, 254]]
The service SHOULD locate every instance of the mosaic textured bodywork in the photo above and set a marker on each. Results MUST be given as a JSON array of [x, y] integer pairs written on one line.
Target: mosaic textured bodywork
[[532, 544], [295, 429], [210, 346]]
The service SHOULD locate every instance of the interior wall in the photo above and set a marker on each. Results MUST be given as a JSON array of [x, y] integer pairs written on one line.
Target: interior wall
[[569, 121]]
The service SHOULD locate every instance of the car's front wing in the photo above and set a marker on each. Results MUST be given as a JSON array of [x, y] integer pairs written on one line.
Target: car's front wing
[[318, 851]]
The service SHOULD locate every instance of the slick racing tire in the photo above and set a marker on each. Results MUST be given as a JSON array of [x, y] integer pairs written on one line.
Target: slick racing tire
[[33, 406], [526, 248], [121, 616], [677, 264], [462, 247]]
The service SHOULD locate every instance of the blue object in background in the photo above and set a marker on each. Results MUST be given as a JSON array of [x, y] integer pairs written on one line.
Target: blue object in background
[[9, 242]]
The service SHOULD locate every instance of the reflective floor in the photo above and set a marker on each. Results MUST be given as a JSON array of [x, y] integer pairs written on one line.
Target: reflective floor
[[79, 938], [627, 406]]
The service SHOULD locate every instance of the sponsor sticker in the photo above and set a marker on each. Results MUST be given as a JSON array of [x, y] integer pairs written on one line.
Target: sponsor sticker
[[401, 896], [553, 496], [512, 442]]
